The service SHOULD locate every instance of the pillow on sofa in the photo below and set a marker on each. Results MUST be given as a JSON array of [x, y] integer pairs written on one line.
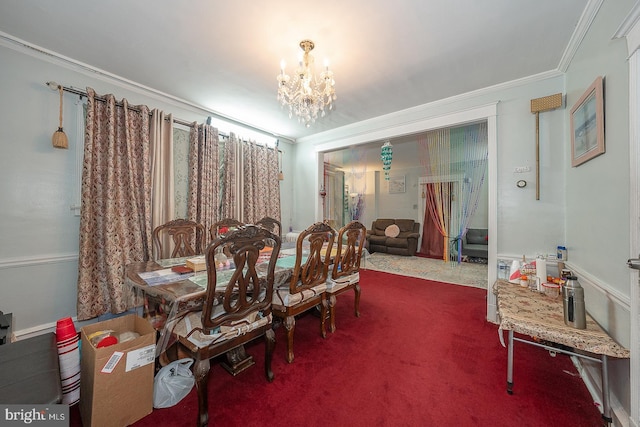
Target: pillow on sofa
[[381, 225], [392, 231]]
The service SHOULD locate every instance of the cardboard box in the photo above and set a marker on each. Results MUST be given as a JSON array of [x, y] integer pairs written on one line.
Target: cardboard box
[[116, 382]]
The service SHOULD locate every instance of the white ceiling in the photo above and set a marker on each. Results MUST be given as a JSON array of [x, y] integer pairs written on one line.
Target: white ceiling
[[224, 55]]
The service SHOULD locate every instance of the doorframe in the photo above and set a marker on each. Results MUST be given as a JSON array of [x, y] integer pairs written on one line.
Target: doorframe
[[488, 113], [630, 30]]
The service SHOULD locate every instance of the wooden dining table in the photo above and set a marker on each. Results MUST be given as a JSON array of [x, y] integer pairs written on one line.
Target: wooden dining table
[[163, 296]]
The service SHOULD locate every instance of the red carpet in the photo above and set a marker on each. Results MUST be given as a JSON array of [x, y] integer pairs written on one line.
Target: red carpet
[[421, 354]]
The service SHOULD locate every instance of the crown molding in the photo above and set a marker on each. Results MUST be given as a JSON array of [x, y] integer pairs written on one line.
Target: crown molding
[[379, 125], [584, 23], [629, 29], [16, 44]]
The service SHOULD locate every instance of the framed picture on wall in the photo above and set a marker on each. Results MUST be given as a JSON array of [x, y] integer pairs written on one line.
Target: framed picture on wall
[[587, 125], [396, 184]]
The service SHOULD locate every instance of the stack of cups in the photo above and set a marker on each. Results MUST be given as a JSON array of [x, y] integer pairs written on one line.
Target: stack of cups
[[69, 356]]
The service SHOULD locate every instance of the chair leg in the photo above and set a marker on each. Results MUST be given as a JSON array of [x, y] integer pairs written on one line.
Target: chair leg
[[356, 304], [332, 313], [269, 344], [201, 374], [324, 309], [289, 326]]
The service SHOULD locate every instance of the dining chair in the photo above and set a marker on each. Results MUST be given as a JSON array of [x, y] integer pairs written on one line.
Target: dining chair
[[307, 286], [236, 309], [271, 224], [223, 226], [345, 274], [185, 236]]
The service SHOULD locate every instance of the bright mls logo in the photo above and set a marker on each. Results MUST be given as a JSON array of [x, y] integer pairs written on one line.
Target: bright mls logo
[[39, 415]]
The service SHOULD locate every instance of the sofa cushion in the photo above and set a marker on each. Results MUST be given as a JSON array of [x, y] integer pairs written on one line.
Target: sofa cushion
[[283, 297], [392, 231], [377, 240], [397, 243], [193, 321], [405, 224]]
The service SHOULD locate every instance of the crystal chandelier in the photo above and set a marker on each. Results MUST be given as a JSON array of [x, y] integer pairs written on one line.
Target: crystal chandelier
[[305, 95]]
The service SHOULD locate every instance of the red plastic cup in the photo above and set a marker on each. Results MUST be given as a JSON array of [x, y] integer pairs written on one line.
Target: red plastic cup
[[65, 329]]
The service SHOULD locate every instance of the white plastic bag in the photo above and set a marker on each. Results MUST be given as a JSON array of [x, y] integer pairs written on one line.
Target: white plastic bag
[[172, 383]]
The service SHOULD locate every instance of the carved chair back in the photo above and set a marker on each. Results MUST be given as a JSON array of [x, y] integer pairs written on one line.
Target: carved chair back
[[247, 290], [351, 239], [271, 224], [185, 236], [223, 226], [312, 270]]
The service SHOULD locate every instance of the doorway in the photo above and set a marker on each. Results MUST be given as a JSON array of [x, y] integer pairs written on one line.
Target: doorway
[[412, 127]]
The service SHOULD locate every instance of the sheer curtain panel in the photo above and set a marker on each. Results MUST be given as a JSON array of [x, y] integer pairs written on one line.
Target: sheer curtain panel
[[163, 194]]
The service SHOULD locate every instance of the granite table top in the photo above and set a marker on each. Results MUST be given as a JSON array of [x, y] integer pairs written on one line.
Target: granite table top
[[537, 315]]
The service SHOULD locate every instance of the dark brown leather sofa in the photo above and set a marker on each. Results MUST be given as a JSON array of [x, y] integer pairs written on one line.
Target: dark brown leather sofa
[[405, 243]]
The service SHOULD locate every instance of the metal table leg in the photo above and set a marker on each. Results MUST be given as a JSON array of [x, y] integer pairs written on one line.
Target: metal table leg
[[606, 404], [510, 364]]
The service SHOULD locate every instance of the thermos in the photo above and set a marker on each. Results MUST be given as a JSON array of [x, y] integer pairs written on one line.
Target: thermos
[[573, 304]]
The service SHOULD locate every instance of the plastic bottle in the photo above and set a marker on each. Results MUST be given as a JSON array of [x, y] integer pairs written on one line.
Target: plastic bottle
[[562, 253]]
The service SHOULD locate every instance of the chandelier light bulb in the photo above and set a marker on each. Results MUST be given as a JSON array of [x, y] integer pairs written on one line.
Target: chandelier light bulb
[[306, 95]]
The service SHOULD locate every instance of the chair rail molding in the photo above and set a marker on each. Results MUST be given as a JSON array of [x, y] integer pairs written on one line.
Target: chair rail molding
[[30, 261]]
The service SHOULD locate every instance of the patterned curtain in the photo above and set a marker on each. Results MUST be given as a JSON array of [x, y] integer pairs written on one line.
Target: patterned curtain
[[204, 178], [115, 215], [228, 177], [260, 185], [162, 197]]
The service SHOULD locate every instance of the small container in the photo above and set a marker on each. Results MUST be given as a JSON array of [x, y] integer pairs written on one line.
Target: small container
[[524, 281], [552, 290], [503, 270], [534, 283], [573, 304], [561, 253]]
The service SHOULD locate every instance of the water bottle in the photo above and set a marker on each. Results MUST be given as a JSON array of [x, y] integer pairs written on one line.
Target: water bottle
[[573, 304]]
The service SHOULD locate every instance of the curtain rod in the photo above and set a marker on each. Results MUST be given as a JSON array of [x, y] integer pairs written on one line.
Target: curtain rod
[[82, 93]]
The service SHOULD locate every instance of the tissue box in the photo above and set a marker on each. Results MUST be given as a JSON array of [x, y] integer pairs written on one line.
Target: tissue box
[[197, 263]]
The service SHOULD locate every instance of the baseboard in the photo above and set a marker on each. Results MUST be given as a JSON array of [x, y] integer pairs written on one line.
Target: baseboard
[[51, 327], [592, 378], [48, 327]]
